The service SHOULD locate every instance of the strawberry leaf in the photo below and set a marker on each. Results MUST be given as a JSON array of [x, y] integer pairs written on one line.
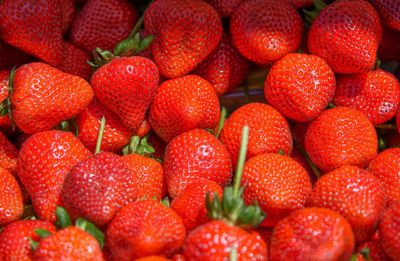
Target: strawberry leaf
[[63, 218], [42, 233], [91, 229]]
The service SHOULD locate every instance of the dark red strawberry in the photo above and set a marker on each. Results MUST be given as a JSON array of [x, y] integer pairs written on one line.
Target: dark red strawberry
[[389, 11], [69, 11], [76, 61], [389, 49], [11, 57]]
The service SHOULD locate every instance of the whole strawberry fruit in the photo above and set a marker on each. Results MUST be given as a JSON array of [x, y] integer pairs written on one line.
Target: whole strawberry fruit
[[185, 33], [389, 231], [183, 104], [346, 34], [341, 136], [265, 30], [11, 205], [389, 11], [300, 86]]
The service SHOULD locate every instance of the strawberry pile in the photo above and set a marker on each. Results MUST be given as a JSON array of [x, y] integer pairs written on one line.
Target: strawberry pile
[[200, 130]]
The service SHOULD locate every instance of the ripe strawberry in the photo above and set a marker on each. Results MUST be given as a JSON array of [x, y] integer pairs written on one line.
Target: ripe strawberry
[[193, 155], [152, 258], [69, 11], [269, 131], [386, 167], [312, 234], [97, 187], [389, 11], [190, 203], [102, 23], [70, 243], [376, 94], [127, 86], [11, 205], [142, 228], [225, 7], [76, 62], [8, 154], [300, 86], [11, 57], [346, 34], [5, 121], [185, 31], [263, 34], [14, 239], [183, 104], [341, 136], [224, 68], [44, 160], [389, 49], [44, 96], [34, 27], [389, 231], [375, 249]]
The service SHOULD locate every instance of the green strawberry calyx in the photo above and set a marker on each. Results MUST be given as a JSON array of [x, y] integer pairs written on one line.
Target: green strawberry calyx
[[139, 146]]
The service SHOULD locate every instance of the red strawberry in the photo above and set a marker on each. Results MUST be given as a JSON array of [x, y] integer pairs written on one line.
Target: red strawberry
[[44, 160], [69, 12], [224, 68], [389, 49], [70, 243], [96, 188], [185, 31], [301, 3], [127, 86], [5, 121], [301, 159], [193, 155], [269, 131], [300, 86], [389, 11], [12, 57], [312, 234], [8, 154], [34, 27], [225, 7], [389, 231], [11, 205], [44, 96], [264, 34], [15, 239], [76, 62], [375, 249], [341, 136], [152, 258], [158, 145], [102, 23], [346, 34], [183, 104], [376, 94], [144, 228]]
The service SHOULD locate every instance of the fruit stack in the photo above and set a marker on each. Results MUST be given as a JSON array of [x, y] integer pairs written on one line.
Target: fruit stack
[[199, 130]]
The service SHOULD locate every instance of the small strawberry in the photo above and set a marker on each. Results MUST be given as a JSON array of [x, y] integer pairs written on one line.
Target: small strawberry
[[142, 228], [185, 33], [225, 7], [346, 34], [69, 11], [8, 154], [389, 49], [263, 34], [389, 11], [300, 86], [389, 231], [341, 136], [34, 27], [11, 57], [76, 62], [11, 205], [183, 104]]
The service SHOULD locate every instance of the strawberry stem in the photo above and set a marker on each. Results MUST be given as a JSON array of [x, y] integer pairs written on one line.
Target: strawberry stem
[[100, 135], [221, 121], [233, 254], [241, 160]]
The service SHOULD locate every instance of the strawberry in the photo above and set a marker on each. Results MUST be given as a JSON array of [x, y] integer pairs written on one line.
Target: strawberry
[[389, 49], [5, 121], [152, 258], [312, 234], [346, 34], [193, 155], [224, 68], [225, 7], [11, 205], [69, 11], [341, 136], [127, 86], [301, 3], [70, 243], [102, 23], [183, 104], [8, 154], [375, 249], [389, 231], [269, 131], [158, 145], [355, 194], [190, 203], [263, 34], [300, 86], [44, 96], [389, 11], [376, 94], [185, 33], [386, 166], [142, 228], [44, 160], [12, 57], [15, 239], [302, 160], [76, 62], [34, 27]]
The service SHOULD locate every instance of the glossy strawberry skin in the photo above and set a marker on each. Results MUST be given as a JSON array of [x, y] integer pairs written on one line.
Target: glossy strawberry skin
[[278, 183], [183, 104], [11, 57], [8, 155], [102, 23], [263, 34], [34, 27], [347, 35], [389, 230], [389, 11], [193, 155], [142, 228], [300, 86], [268, 131], [213, 241], [185, 31], [11, 205], [127, 86], [312, 234], [76, 61], [14, 239], [376, 94], [341, 136], [44, 160]]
